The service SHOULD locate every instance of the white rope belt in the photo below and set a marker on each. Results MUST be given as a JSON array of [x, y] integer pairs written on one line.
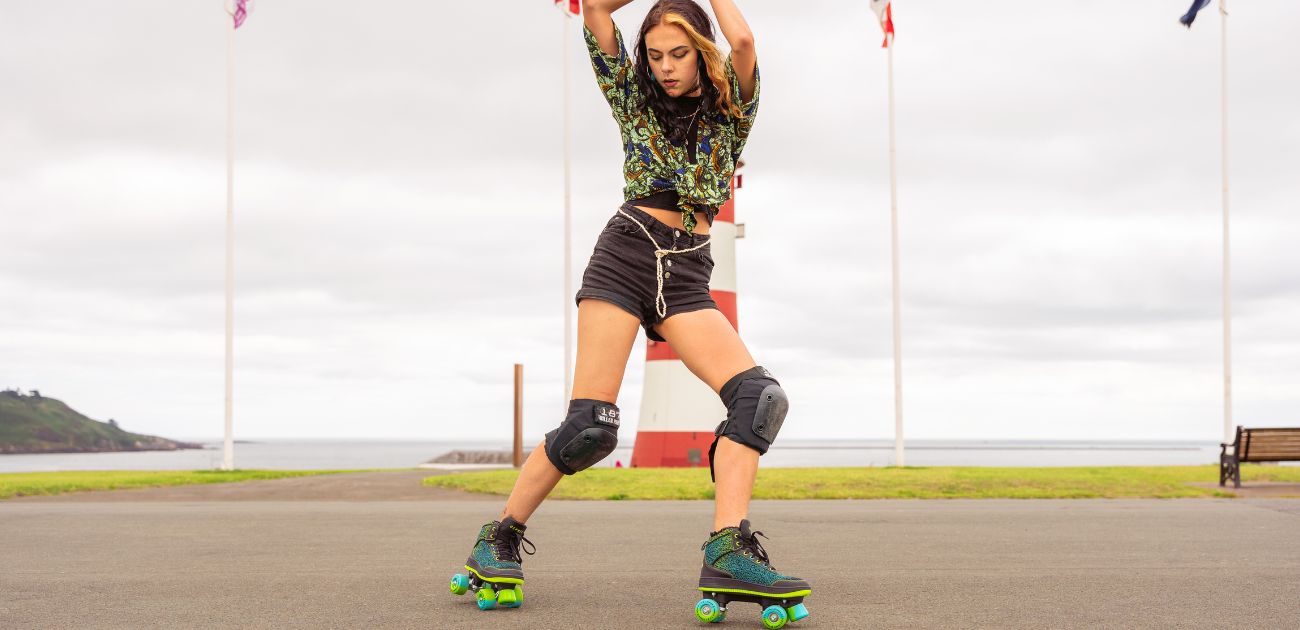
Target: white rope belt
[[661, 305]]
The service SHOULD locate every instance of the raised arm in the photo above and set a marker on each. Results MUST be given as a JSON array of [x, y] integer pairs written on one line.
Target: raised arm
[[596, 14], [741, 39]]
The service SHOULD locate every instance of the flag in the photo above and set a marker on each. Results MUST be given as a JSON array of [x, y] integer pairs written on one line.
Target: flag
[[1190, 16], [885, 12], [569, 7], [240, 13]]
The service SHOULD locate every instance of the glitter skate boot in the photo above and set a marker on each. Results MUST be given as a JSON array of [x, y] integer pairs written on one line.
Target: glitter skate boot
[[736, 569], [494, 569]]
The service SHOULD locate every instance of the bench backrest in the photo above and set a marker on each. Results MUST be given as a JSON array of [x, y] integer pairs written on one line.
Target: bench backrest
[[1268, 445]]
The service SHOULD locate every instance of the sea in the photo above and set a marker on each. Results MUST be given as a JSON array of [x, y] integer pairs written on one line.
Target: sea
[[298, 454]]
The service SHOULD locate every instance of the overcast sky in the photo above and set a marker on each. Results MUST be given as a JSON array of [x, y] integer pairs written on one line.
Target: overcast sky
[[399, 213]]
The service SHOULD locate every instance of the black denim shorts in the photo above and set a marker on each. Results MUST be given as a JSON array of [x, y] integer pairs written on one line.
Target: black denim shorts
[[622, 269]]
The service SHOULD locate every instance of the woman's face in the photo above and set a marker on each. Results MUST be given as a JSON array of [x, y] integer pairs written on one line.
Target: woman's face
[[673, 60]]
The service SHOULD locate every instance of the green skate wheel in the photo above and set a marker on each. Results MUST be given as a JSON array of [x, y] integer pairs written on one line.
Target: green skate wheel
[[487, 598], [708, 611], [459, 584], [797, 612], [511, 598], [507, 598], [518, 594], [774, 617]]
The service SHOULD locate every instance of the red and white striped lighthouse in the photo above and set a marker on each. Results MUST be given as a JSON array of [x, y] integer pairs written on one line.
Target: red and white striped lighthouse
[[678, 411]]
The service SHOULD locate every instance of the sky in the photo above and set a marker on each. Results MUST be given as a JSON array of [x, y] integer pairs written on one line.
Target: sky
[[399, 216]]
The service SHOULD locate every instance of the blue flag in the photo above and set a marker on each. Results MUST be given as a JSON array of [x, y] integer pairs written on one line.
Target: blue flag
[[1190, 16]]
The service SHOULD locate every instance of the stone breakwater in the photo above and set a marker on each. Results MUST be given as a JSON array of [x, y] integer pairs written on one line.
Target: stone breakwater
[[473, 457]]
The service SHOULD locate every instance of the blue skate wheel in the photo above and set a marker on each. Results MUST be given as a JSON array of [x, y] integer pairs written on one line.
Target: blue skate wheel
[[459, 584], [487, 598], [797, 612], [774, 617], [708, 611]]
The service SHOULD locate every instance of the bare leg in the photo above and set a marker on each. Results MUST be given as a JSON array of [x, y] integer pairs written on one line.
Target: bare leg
[[605, 336], [713, 351], [735, 466], [536, 480]]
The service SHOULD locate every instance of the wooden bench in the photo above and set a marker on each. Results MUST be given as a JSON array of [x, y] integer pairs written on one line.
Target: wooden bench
[[1257, 445]]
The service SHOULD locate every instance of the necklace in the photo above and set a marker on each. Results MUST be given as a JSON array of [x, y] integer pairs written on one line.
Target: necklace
[[697, 108], [695, 113]]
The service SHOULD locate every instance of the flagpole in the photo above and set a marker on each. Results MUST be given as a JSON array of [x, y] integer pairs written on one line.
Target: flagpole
[[1227, 275], [893, 225], [228, 459], [568, 228]]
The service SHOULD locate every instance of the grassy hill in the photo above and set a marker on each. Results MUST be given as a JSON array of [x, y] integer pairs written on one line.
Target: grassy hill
[[36, 424]]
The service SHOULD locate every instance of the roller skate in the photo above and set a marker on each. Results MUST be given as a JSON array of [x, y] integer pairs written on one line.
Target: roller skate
[[736, 569], [494, 571]]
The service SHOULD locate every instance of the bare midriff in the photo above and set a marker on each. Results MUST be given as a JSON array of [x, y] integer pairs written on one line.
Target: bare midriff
[[673, 218]]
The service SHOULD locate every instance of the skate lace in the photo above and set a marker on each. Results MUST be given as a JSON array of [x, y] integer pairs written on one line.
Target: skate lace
[[508, 542], [754, 548], [750, 547]]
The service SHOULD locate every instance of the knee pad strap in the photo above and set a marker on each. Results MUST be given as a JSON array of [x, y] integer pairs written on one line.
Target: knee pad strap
[[588, 434], [756, 409]]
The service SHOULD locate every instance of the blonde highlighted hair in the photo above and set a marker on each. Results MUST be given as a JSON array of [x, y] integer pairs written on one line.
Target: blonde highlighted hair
[[714, 64], [716, 91]]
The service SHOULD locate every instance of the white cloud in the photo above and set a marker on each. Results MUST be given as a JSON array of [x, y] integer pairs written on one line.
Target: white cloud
[[399, 211]]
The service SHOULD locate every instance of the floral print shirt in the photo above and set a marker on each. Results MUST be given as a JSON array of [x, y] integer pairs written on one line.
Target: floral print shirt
[[651, 163]]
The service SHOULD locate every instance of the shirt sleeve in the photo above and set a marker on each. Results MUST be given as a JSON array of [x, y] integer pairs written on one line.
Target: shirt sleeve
[[614, 75], [748, 108]]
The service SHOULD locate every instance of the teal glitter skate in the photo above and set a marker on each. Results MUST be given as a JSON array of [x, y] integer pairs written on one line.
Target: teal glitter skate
[[736, 569], [494, 569]]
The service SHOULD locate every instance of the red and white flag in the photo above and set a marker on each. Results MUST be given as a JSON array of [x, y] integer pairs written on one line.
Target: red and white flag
[[569, 7], [240, 12], [885, 13]]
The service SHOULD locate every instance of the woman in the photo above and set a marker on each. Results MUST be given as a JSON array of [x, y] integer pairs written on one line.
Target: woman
[[684, 113]]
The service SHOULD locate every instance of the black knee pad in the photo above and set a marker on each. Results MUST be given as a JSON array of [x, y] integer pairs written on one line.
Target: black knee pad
[[756, 408], [588, 434]]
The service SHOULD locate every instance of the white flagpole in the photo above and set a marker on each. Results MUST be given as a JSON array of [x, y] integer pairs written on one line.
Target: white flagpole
[[893, 224], [228, 459], [568, 230], [1227, 276]]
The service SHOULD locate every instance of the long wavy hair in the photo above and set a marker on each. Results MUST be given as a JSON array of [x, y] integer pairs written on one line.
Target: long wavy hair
[[716, 91]]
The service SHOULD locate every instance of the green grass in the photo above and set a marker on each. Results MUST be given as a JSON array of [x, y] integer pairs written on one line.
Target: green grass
[[887, 483], [28, 484]]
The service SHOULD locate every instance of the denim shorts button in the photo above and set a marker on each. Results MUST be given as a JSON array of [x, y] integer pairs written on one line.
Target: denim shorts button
[[667, 273], [670, 263], [677, 232]]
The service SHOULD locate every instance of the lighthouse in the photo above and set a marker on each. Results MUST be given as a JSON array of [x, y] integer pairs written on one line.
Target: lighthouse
[[678, 411]]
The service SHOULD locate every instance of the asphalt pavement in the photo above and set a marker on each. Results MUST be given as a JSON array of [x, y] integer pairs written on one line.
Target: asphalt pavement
[[210, 559]]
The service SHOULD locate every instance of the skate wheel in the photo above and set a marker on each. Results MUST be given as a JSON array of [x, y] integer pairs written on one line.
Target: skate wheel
[[797, 612], [708, 611], [459, 584], [516, 595], [508, 598], [487, 598], [774, 617]]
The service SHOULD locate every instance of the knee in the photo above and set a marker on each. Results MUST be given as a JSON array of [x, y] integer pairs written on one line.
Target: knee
[[588, 434], [756, 409]]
